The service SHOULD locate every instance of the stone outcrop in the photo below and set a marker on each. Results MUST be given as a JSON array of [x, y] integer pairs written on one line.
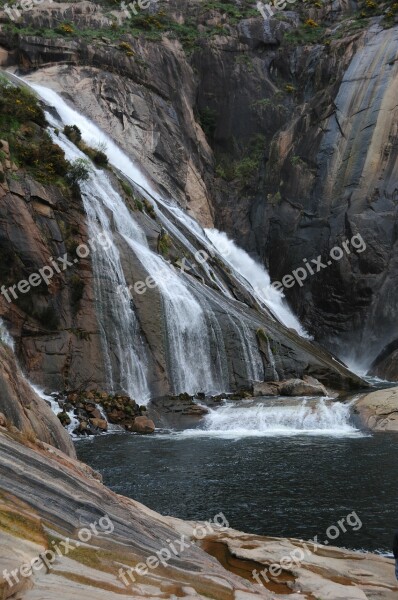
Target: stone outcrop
[[379, 410], [54, 497], [385, 364], [46, 497], [143, 425], [93, 411], [24, 411], [309, 386]]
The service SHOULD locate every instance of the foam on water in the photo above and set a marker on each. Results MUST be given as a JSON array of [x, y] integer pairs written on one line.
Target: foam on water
[[308, 417]]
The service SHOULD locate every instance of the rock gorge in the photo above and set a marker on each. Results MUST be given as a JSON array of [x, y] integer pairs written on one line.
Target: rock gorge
[[250, 124], [157, 129]]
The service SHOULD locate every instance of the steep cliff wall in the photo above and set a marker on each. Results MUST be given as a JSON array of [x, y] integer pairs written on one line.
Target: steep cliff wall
[[281, 132], [76, 328]]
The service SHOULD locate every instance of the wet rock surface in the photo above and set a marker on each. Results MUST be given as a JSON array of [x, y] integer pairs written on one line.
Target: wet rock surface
[[94, 411], [309, 386], [23, 411]]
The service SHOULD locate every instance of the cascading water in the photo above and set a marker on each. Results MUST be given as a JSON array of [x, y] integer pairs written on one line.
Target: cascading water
[[186, 325], [257, 277], [5, 337], [190, 323], [260, 419], [272, 362], [124, 352], [248, 344]]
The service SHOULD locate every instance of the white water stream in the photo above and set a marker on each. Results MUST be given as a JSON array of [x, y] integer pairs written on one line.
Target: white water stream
[[190, 324], [305, 416]]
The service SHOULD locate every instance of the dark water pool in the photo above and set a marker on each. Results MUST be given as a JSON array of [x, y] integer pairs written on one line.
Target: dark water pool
[[296, 486]]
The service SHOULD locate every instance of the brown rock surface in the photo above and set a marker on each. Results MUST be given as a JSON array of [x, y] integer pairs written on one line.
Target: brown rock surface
[[379, 410], [24, 409], [143, 425]]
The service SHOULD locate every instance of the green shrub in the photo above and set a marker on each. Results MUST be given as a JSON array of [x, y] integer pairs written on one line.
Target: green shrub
[[73, 133], [208, 121], [149, 208], [79, 171], [246, 168], [19, 104], [97, 155], [139, 204], [164, 243], [126, 188], [41, 156]]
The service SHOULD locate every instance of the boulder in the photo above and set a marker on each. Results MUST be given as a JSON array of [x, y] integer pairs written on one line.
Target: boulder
[[379, 410], [101, 424], [3, 420], [265, 388], [143, 425], [308, 386], [299, 387]]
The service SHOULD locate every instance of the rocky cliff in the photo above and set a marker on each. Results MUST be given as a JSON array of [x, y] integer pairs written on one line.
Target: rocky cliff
[[78, 332], [23, 412], [282, 132]]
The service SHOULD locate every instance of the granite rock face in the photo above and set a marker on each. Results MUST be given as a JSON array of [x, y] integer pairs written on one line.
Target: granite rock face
[[177, 113], [50, 501], [24, 411], [379, 410]]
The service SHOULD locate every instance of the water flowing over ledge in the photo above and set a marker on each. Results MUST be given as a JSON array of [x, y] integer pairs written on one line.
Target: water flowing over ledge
[[277, 418], [195, 343]]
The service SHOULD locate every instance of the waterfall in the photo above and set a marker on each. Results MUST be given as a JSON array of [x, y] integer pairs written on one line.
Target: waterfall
[[195, 345], [124, 353], [272, 361], [260, 419], [249, 347], [5, 337], [188, 336], [257, 278]]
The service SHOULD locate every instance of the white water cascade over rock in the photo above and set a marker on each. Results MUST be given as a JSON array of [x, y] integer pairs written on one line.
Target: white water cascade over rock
[[196, 329], [256, 277], [284, 418], [186, 324]]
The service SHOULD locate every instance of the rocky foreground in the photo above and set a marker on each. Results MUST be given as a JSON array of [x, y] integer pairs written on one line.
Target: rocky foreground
[[64, 534], [47, 497]]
